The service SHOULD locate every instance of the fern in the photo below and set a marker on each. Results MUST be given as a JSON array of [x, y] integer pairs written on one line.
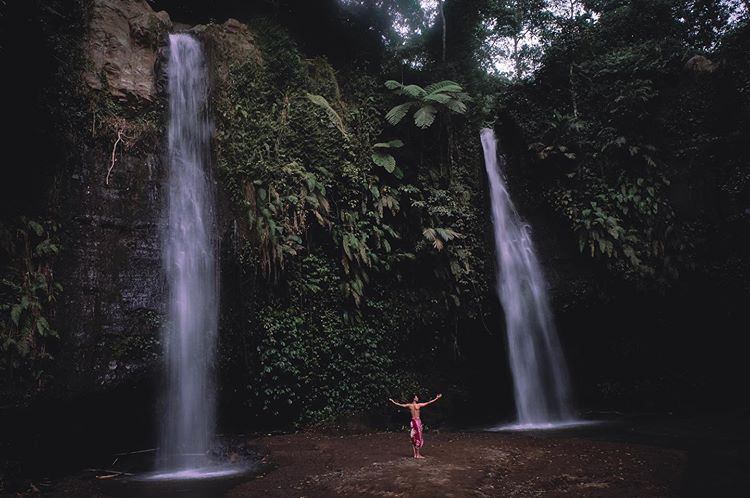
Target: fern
[[439, 236], [413, 91], [440, 98], [396, 114], [383, 158], [425, 116], [443, 86], [443, 94]]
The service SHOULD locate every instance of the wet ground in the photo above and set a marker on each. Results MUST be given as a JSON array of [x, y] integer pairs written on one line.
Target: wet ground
[[631, 457]]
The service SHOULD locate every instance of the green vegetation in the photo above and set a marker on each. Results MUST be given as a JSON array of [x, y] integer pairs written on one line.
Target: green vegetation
[[443, 94], [340, 189], [27, 294], [357, 260], [330, 225], [605, 118]]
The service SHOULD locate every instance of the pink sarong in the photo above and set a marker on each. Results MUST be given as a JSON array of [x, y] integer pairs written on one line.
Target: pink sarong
[[416, 433]]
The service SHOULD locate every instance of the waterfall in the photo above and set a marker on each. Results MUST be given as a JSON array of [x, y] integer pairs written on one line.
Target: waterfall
[[540, 377], [189, 251]]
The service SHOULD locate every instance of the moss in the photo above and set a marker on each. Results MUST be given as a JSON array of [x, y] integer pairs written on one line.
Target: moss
[[139, 123], [322, 79]]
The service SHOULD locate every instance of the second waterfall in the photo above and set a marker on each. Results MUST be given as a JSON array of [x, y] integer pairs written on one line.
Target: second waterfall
[[540, 377]]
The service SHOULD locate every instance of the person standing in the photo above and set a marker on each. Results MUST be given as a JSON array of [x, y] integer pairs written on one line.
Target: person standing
[[417, 439]]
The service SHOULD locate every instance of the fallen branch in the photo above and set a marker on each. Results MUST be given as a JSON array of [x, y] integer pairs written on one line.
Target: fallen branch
[[109, 473], [108, 476], [150, 450]]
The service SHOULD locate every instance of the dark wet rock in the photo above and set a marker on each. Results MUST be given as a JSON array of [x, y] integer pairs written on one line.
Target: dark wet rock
[[111, 270]]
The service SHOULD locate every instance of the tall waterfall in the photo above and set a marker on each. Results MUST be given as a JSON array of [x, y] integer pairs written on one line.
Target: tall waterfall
[[190, 261], [540, 377]]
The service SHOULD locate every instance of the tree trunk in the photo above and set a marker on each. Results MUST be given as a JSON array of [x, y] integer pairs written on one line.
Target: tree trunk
[[573, 99], [442, 18]]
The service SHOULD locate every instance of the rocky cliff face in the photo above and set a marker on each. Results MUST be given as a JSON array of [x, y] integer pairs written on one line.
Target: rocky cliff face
[[111, 200], [121, 48]]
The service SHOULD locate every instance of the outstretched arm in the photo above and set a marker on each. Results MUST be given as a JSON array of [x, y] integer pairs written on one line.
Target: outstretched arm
[[397, 404], [431, 401]]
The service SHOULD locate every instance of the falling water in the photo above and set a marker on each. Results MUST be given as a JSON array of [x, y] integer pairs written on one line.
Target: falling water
[[540, 377], [189, 255]]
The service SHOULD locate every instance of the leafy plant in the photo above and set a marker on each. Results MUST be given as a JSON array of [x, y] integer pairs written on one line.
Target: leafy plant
[[384, 159], [27, 292], [446, 94], [321, 101], [439, 236]]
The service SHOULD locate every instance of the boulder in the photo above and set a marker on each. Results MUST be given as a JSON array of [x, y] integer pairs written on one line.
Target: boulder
[[228, 43], [121, 47]]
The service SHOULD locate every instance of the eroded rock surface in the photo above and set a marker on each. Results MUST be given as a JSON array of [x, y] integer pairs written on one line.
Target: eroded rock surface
[[122, 47]]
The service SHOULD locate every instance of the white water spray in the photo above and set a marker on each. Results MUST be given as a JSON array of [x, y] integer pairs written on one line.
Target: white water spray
[[540, 376]]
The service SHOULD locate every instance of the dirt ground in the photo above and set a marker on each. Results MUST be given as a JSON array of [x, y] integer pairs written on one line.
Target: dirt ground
[[456, 464], [462, 464]]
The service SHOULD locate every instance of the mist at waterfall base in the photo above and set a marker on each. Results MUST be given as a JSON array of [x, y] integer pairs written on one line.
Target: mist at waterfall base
[[189, 251], [540, 378]]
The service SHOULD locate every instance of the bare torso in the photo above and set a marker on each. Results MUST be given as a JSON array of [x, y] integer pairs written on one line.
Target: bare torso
[[414, 409]]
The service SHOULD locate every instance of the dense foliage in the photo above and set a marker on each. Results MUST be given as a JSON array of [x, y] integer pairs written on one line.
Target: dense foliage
[[609, 116], [27, 294], [325, 218], [615, 117], [356, 252]]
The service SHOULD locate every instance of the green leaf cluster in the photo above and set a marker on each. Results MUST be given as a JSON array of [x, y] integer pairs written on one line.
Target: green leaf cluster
[[445, 94], [27, 293]]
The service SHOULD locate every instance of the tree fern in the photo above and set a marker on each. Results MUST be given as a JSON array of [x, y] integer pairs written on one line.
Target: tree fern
[[413, 91], [396, 114], [443, 94], [440, 98], [443, 86], [425, 116]]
